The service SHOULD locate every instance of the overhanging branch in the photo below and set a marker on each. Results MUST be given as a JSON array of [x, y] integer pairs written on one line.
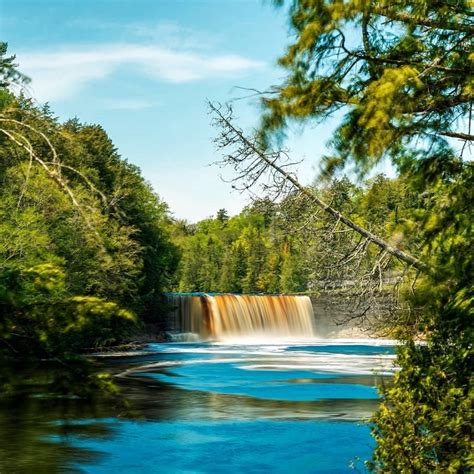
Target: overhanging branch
[[404, 17], [247, 151], [461, 136]]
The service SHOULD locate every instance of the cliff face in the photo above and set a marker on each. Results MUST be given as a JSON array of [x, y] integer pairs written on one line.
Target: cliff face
[[338, 314]]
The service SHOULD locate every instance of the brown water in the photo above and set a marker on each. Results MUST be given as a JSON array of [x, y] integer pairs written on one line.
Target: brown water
[[219, 317]]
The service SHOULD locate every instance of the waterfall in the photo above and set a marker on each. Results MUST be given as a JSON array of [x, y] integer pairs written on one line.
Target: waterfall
[[223, 316]]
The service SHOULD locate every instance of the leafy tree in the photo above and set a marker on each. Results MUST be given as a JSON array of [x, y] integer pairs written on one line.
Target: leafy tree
[[192, 264], [238, 266], [291, 278], [270, 278], [84, 241], [256, 252], [402, 74], [402, 71], [259, 251], [39, 316]]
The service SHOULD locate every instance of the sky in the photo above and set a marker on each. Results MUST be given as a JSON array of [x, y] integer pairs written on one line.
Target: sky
[[143, 69]]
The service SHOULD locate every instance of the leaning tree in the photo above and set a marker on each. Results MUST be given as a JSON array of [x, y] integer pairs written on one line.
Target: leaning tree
[[400, 74]]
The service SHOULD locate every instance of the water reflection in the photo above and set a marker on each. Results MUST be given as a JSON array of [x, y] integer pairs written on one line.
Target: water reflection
[[203, 408]]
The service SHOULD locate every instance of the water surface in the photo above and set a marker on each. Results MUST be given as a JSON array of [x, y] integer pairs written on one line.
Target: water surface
[[236, 406]]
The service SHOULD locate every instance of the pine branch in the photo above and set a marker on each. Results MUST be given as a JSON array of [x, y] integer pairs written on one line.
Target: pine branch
[[405, 17]]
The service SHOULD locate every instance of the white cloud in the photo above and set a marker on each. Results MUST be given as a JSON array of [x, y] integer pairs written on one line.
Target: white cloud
[[174, 35], [63, 73], [129, 104], [165, 32]]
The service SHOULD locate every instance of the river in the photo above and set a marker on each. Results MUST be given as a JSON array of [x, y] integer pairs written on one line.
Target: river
[[243, 405]]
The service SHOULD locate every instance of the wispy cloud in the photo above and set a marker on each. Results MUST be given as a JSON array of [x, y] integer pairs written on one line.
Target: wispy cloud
[[167, 33], [129, 104], [171, 34], [63, 73]]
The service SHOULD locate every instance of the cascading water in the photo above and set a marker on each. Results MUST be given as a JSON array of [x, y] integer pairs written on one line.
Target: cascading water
[[225, 316]]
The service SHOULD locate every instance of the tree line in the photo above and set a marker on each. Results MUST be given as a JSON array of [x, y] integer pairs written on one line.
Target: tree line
[[289, 247], [85, 248]]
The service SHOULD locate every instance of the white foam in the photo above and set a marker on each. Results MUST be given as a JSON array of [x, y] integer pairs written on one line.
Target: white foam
[[309, 341], [254, 355]]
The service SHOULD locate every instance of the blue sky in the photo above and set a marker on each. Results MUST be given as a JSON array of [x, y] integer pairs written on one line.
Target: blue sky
[[143, 69]]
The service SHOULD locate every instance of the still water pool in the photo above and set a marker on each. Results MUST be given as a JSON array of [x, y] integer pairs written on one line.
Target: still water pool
[[239, 406]]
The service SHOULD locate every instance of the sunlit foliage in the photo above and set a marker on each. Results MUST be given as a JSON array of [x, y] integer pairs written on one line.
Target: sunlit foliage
[[400, 74], [287, 247], [85, 251]]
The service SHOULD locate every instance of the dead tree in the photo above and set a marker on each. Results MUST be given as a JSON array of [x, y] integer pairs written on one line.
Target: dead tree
[[256, 166]]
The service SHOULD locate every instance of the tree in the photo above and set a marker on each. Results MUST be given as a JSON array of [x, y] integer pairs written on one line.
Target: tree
[[255, 250], [222, 216], [402, 75], [401, 72], [9, 74], [291, 279], [238, 265], [84, 241], [256, 164]]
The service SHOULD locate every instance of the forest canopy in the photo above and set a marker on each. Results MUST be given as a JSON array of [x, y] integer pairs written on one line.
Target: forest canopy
[[85, 251], [284, 247]]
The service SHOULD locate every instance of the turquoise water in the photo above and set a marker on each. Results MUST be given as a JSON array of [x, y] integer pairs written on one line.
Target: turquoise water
[[291, 406], [230, 446]]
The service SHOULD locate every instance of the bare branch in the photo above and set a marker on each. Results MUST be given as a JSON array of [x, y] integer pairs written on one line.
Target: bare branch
[[461, 136], [244, 150], [24, 143]]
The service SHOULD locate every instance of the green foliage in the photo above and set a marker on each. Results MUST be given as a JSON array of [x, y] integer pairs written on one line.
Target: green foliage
[[85, 249], [264, 250], [402, 75], [425, 423], [291, 278], [9, 74], [37, 316], [226, 255]]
